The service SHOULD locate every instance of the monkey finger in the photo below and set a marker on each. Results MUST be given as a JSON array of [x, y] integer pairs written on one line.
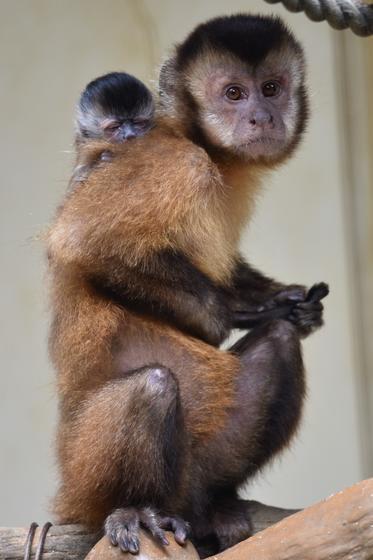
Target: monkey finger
[[317, 292], [303, 313], [306, 323], [293, 293], [310, 316], [290, 295], [309, 306]]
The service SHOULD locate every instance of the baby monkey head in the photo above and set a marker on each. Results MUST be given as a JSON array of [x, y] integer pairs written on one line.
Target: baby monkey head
[[115, 107], [238, 82]]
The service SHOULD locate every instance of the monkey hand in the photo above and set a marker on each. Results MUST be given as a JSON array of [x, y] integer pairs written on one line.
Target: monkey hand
[[278, 306], [293, 303], [284, 298], [123, 527], [307, 315]]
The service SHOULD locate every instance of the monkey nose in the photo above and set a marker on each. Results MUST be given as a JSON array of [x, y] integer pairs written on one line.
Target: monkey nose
[[261, 119], [127, 132]]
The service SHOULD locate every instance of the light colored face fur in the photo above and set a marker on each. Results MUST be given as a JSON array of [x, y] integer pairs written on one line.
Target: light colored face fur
[[252, 112]]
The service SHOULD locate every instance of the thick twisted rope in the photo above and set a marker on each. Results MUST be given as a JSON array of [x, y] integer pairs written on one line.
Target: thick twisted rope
[[340, 14]]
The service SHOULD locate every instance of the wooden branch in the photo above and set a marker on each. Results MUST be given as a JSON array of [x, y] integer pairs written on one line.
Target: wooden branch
[[63, 542], [339, 528]]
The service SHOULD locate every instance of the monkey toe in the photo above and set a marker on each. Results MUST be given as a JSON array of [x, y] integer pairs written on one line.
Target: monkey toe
[[157, 524], [128, 542], [178, 526], [291, 294], [122, 528], [151, 521]]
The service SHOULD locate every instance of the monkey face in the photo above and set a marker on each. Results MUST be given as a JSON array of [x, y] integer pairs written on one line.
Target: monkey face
[[115, 107], [252, 111], [237, 85]]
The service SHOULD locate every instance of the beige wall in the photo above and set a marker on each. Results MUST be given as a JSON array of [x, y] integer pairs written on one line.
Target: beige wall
[[48, 51]]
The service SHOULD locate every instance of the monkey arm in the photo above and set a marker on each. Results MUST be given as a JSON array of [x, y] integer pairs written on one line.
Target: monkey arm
[[167, 285], [252, 288]]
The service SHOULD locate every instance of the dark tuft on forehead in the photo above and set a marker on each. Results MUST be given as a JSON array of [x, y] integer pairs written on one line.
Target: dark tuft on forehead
[[248, 37], [116, 93]]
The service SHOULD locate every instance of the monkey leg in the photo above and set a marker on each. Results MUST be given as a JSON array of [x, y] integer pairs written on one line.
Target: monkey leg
[[270, 390], [124, 449]]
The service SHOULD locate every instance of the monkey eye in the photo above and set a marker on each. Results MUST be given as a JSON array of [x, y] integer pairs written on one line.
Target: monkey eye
[[271, 88], [234, 93], [110, 129], [113, 126], [140, 124], [139, 121]]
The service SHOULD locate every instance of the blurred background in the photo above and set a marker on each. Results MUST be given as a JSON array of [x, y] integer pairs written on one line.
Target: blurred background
[[314, 222]]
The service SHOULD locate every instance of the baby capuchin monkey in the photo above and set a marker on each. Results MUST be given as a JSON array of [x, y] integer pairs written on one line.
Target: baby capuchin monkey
[[115, 107], [158, 425]]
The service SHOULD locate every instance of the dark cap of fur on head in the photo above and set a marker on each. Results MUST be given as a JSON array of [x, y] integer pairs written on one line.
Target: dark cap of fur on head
[[116, 93], [248, 37]]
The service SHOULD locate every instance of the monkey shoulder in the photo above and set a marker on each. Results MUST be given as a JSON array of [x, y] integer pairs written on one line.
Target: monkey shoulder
[[167, 157]]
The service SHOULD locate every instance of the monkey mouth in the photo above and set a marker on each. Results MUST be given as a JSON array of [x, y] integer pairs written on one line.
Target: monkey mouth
[[261, 147], [262, 140]]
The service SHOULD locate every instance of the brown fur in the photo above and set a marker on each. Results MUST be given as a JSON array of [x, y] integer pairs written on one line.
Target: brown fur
[[145, 277]]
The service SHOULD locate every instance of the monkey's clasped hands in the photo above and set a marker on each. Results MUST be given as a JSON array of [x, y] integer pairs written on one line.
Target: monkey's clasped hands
[[294, 303]]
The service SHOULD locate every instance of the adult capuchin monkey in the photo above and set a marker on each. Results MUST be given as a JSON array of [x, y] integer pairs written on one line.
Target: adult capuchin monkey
[[158, 426]]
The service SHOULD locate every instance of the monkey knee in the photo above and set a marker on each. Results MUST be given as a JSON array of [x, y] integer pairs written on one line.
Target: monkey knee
[[159, 381]]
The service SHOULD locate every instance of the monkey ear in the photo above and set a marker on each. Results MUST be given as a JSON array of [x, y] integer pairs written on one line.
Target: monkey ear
[[168, 78]]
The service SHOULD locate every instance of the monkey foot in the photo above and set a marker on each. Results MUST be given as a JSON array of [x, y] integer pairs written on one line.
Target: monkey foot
[[123, 526]]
